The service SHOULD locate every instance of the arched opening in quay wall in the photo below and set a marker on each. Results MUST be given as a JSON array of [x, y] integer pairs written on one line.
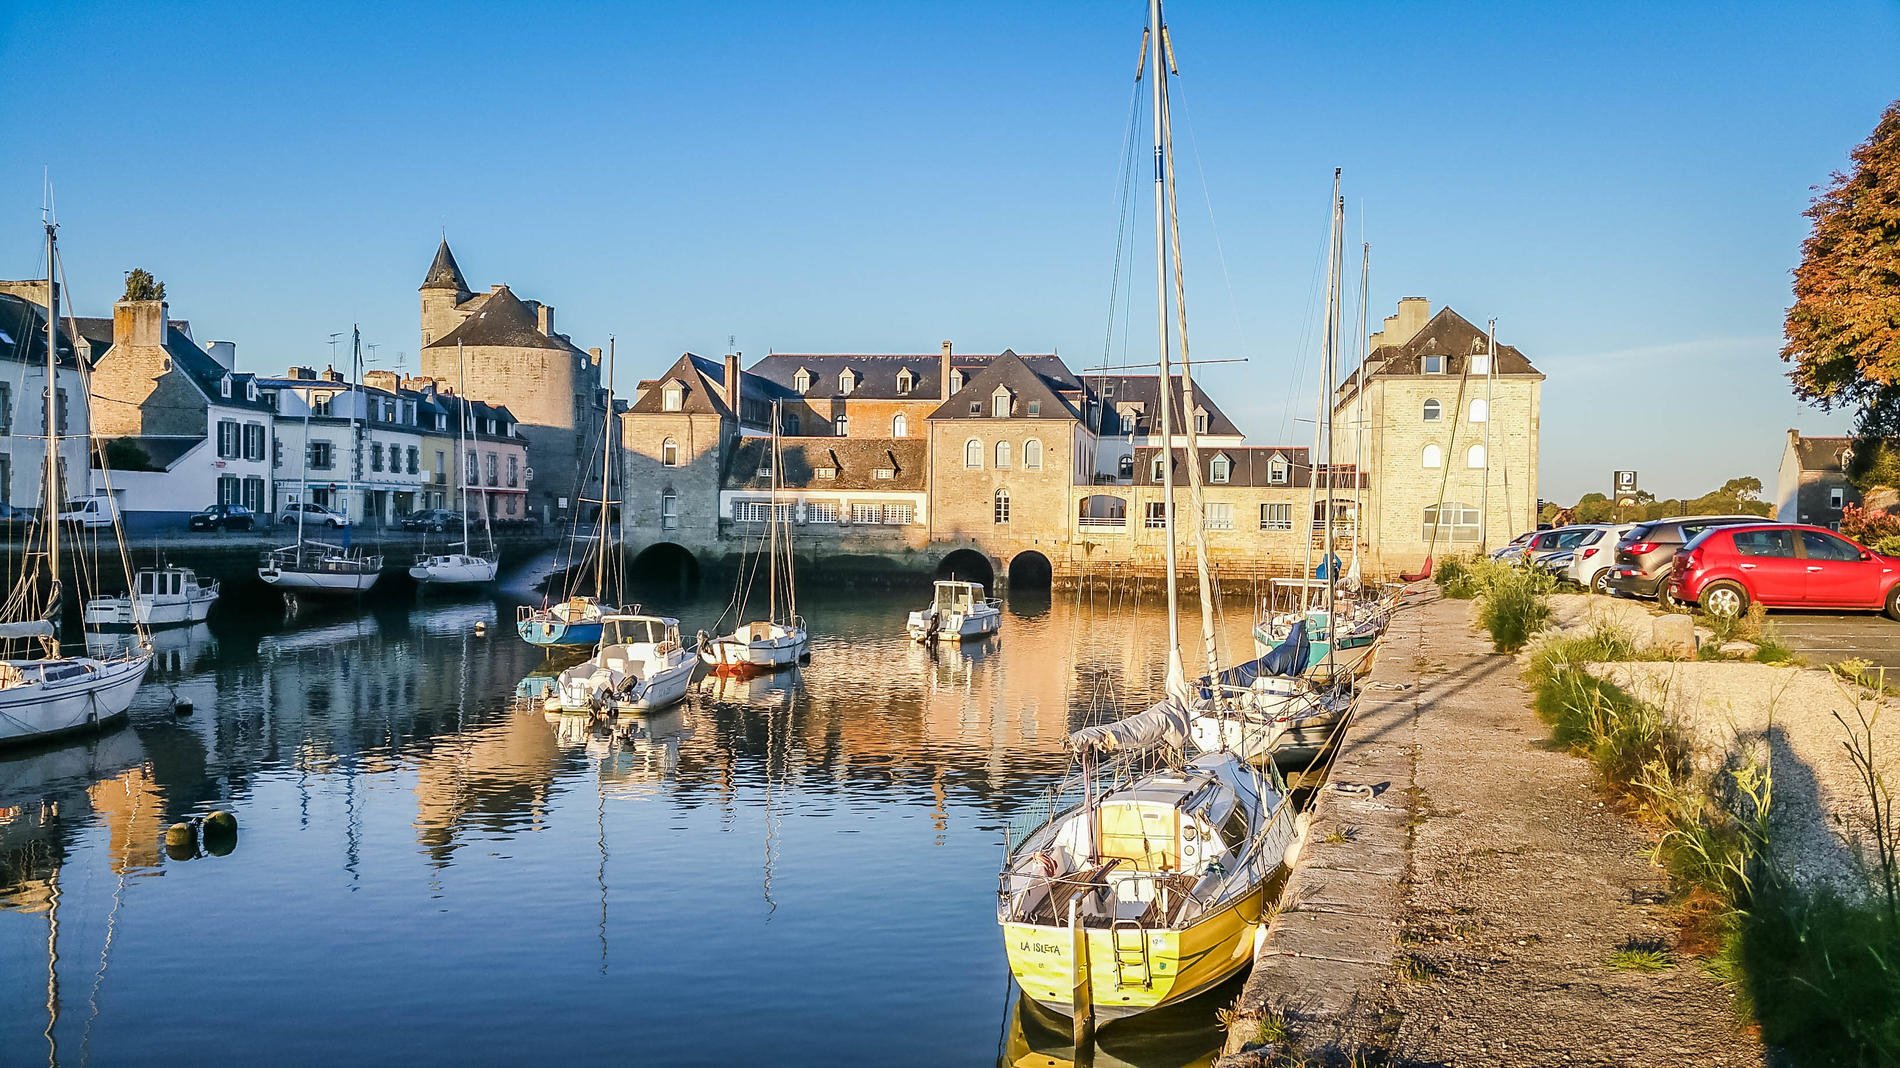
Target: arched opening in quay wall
[[665, 564], [1030, 571], [968, 565]]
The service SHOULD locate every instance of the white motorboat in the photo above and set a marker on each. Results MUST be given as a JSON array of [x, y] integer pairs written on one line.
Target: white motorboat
[[958, 612], [639, 666], [780, 640], [160, 597], [53, 694], [463, 568]]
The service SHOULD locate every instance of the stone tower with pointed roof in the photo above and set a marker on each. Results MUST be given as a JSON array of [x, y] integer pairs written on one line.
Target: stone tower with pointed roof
[[512, 355]]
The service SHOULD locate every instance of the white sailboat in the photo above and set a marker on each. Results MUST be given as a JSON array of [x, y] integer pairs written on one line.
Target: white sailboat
[[52, 694], [779, 640], [1140, 882], [465, 568], [315, 566], [160, 597], [576, 619]]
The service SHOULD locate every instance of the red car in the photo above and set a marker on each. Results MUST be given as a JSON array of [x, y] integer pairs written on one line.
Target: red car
[[1783, 565]]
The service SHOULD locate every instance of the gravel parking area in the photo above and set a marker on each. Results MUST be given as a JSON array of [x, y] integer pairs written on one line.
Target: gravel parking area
[[1823, 638]]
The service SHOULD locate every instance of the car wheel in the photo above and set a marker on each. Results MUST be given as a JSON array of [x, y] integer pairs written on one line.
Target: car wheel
[[1893, 603], [1601, 584], [1724, 599]]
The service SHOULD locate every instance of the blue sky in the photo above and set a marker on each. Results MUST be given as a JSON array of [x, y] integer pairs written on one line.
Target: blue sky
[[1620, 185]]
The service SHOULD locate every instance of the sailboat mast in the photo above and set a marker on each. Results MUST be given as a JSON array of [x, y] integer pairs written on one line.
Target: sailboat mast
[[49, 504], [1320, 408], [1177, 682], [771, 578], [356, 401], [1196, 502], [606, 477], [1484, 493], [1338, 255], [1359, 407], [461, 449]]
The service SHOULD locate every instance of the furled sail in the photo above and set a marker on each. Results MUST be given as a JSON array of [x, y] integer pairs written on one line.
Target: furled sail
[[1165, 723]]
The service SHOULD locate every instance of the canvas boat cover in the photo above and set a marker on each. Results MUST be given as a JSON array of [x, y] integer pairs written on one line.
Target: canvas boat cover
[[1165, 723]]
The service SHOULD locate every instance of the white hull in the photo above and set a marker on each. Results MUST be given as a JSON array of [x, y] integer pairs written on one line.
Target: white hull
[[663, 687], [639, 666], [338, 582], [83, 693], [122, 612], [959, 627], [454, 570], [749, 649]]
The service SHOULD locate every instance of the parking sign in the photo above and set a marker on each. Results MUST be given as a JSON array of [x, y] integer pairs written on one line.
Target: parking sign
[[1625, 482]]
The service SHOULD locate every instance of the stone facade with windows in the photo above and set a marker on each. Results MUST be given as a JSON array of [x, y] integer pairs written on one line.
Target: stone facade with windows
[[23, 404], [1449, 442]]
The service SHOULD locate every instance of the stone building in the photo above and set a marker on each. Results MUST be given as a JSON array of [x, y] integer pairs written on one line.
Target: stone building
[[1448, 442], [23, 404], [676, 439], [1811, 485], [184, 428], [497, 345], [878, 395]]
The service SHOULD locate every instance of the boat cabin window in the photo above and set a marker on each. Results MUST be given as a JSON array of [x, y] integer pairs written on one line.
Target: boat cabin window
[[145, 582], [634, 631]]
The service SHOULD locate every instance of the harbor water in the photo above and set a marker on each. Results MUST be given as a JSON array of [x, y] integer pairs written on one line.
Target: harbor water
[[795, 869]]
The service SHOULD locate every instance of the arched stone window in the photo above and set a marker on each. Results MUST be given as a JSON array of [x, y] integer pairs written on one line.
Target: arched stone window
[[1032, 455], [1452, 521], [669, 453], [1432, 411], [1002, 506], [1480, 411], [1002, 455], [1474, 457], [900, 426], [973, 454], [1433, 457]]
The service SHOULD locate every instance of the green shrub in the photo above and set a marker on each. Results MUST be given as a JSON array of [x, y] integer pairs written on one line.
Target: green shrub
[[1823, 973], [1455, 579], [1887, 546], [1514, 605]]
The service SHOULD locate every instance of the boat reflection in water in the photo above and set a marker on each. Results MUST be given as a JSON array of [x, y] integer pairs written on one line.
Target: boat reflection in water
[[176, 651], [1177, 1036]]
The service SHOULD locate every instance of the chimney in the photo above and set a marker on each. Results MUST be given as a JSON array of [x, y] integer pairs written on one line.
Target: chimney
[[331, 374], [225, 352], [943, 374], [734, 386], [1414, 313], [139, 323], [594, 355], [544, 319], [301, 373], [380, 380], [33, 290]]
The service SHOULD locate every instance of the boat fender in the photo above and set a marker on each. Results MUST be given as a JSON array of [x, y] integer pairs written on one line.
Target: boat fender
[[220, 821], [1294, 848], [220, 833], [181, 841], [181, 708], [481, 628]]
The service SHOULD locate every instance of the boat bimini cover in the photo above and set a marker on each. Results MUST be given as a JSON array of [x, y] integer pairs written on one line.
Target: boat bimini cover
[[26, 628], [1165, 723], [1289, 657]]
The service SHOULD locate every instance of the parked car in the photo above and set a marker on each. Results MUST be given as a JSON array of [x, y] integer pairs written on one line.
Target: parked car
[[1591, 560], [222, 517], [313, 514], [1514, 551], [1555, 564], [1783, 565], [436, 519], [97, 511], [1556, 540], [1644, 554]]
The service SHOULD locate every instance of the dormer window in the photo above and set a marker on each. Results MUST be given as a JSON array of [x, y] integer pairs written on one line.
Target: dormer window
[[674, 398], [1000, 403], [1278, 470], [1157, 472], [1434, 365], [1200, 420], [1035, 408], [1128, 422], [905, 380], [802, 381], [1220, 469], [847, 381], [224, 387], [956, 381], [1481, 364], [250, 391]]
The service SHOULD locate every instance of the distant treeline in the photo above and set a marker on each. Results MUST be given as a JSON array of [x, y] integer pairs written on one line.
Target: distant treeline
[[1737, 496]]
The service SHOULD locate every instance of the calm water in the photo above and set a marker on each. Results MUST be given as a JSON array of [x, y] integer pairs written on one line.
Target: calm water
[[787, 871]]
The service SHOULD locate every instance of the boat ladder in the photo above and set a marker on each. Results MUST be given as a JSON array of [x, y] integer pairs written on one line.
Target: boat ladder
[[1130, 942]]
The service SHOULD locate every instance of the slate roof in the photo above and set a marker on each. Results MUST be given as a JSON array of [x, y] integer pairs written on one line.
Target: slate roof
[[1014, 373], [1145, 390], [855, 462], [1821, 453], [161, 453], [705, 389], [197, 364], [502, 321], [444, 272], [23, 332], [878, 372], [1251, 465], [1450, 335]]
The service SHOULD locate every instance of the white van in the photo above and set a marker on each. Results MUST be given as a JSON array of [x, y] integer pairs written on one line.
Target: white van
[[97, 511]]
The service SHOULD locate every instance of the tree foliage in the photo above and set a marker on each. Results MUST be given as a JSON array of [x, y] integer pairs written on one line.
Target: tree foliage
[[124, 454], [1843, 331], [1737, 496], [140, 285]]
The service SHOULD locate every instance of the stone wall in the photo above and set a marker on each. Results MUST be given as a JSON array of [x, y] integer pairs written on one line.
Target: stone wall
[[963, 499], [136, 388], [694, 480]]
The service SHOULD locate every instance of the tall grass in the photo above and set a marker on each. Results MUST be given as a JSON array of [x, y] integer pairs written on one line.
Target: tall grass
[[1820, 970], [1512, 600]]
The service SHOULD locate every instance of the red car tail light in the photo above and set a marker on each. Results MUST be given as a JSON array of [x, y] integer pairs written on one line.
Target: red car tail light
[[1689, 561], [1588, 553], [1643, 548]]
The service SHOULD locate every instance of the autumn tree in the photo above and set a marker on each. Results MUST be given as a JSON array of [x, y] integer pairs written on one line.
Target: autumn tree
[[1843, 332], [140, 285]]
